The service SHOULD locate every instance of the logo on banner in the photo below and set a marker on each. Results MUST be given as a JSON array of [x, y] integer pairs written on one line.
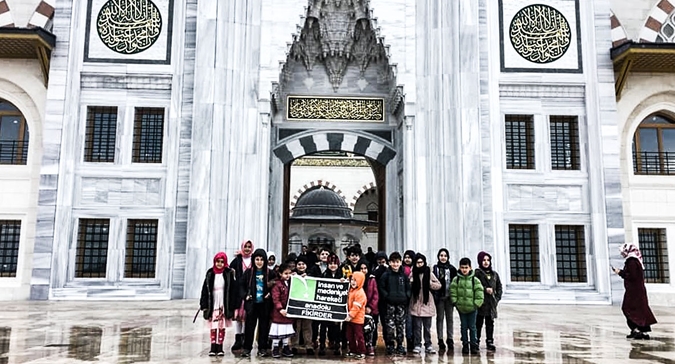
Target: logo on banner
[[318, 299]]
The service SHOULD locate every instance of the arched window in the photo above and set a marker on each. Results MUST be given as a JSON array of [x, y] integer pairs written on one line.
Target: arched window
[[13, 135], [654, 146]]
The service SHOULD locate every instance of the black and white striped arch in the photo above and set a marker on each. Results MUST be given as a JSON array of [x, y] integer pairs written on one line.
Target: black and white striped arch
[[334, 141]]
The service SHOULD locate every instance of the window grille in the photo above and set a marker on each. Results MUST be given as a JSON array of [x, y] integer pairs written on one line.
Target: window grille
[[92, 248], [10, 234], [570, 253], [135, 344], [101, 134], [85, 343], [654, 249], [565, 143], [5, 334], [141, 252], [519, 134], [524, 253], [148, 135], [13, 135]]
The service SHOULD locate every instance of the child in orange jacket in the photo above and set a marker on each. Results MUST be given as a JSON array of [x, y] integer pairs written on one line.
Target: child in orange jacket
[[356, 304]]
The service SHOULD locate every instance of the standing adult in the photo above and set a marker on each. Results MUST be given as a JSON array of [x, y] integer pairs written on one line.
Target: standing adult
[[240, 264], [635, 304]]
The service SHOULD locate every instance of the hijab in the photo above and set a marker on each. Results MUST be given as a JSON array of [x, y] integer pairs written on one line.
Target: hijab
[[630, 250], [218, 256], [445, 265], [407, 269], [423, 283], [241, 250], [481, 256]]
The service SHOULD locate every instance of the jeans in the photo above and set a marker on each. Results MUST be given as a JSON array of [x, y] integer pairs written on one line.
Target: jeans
[[420, 323], [468, 323], [444, 311], [489, 328]]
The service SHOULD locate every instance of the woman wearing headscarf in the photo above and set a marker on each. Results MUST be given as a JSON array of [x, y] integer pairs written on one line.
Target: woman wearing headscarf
[[422, 306], [492, 293], [407, 266], [218, 300], [240, 263], [635, 304]]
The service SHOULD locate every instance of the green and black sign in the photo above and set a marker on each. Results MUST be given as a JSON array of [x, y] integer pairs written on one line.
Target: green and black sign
[[318, 299]]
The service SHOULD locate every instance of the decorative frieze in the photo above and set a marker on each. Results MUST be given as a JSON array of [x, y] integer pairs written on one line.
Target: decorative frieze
[[335, 108], [542, 91], [330, 162], [125, 81]]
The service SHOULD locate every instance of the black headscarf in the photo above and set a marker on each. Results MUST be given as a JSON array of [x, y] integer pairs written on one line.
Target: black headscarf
[[445, 265], [425, 284]]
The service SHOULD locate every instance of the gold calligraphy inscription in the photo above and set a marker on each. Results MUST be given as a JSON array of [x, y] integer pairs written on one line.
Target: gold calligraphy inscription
[[129, 26], [540, 33], [345, 109]]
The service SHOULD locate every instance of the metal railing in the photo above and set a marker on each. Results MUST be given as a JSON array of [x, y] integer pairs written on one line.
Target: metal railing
[[13, 152], [662, 163]]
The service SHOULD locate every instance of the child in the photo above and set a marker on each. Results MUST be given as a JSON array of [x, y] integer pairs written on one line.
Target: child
[[240, 263], [218, 301], [373, 297], [356, 304], [331, 328], [422, 309], [302, 327], [255, 287], [408, 258], [445, 272], [466, 293], [493, 294], [272, 262], [378, 271], [395, 291], [282, 326]]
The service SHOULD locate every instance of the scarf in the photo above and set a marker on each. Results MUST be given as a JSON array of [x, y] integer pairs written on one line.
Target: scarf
[[445, 265], [482, 256], [425, 283], [241, 250], [223, 256], [629, 250]]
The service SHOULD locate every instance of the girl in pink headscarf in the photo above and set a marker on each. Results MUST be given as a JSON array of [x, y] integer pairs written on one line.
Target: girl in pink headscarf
[[218, 301], [240, 263], [635, 304]]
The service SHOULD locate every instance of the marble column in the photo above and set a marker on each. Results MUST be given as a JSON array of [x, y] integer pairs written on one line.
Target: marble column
[[447, 129], [225, 179]]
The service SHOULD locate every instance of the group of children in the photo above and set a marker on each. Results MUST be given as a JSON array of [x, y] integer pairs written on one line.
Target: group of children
[[403, 293]]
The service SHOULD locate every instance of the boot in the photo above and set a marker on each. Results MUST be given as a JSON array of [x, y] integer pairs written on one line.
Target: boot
[[276, 353], [451, 345], [410, 344], [214, 350], [238, 341], [441, 346], [465, 349], [474, 349], [490, 345], [322, 350], [286, 351]]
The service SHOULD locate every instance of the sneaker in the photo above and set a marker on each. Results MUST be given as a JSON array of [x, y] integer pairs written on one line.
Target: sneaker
[[263, 353], [417, 350], [245, 354], [465, 349], [474, 350], [400, 350], [286, 351], [348, 355], [430, 350], [359, 356], [276, 353], [441, 345], [370, 351]]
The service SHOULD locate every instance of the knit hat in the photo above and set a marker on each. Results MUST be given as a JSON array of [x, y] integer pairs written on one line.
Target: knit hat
[[259, 253], [301, 258], [380, 255], [333, 259]]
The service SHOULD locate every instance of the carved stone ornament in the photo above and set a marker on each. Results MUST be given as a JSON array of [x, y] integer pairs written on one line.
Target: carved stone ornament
[[129, 26], [336, 33]]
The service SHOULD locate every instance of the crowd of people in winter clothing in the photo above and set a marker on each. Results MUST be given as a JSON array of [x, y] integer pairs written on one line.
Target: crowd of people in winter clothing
[[400, 293]]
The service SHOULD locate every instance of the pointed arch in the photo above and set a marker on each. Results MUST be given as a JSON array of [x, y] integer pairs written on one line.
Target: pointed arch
[[619, 35], [313, 184], [361, 191], [6, 19], [42, 15], [655, 20]]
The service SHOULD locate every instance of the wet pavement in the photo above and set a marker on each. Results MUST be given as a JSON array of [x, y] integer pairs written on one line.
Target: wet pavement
[[163, 332]]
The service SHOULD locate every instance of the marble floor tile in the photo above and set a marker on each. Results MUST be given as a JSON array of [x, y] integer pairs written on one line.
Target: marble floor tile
[[163, 332]]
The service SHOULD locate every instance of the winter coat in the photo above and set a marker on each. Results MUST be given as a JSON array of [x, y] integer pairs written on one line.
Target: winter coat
[[330, 275], [444, 292], [372, 294], [237, 265], [247, 286], [489, 280], [635, 304], [357, 300], [230, 289], [466, 293], [395, 287], [417, 307], [279, 300]]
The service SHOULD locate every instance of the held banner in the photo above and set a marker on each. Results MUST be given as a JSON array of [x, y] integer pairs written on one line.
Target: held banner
[[318, 299]]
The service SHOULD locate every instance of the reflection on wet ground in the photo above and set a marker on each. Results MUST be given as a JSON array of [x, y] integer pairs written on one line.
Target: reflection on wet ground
[[163, 332]]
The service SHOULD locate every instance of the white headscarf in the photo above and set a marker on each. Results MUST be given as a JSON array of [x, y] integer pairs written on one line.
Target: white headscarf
[[630, 250]]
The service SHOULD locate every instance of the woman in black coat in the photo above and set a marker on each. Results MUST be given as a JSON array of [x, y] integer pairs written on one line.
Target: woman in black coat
[[635, 304], [492, 287]]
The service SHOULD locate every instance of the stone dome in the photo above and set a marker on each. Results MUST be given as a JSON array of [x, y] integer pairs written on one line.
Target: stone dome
[[321, 203]]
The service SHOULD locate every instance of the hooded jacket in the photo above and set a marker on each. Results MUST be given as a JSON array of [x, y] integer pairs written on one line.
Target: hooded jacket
[[395, 287], [247, 283], [356, 303], [466, 292], [230, 289]]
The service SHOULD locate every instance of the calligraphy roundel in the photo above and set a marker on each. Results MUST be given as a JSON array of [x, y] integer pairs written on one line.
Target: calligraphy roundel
[[129, 26], [540, 33]]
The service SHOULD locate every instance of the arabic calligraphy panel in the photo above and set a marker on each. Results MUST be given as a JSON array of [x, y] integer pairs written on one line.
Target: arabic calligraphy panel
[[335, 109], [129, 31], [540, 36]]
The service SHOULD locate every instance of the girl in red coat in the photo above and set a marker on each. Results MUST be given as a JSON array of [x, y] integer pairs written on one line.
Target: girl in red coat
[[282, 326], [635, 305]]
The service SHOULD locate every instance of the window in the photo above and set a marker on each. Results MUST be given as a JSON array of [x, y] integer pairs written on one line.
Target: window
[[141, 252], [100, 134], [524, 253], [92, 248], [148, 135], [654, 251], [654, 146], [564, 142], [13, 135], [519, 134], [10, 231], [570, 253]]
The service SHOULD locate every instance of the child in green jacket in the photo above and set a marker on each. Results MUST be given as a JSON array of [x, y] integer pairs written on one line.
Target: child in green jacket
[[466, 293]]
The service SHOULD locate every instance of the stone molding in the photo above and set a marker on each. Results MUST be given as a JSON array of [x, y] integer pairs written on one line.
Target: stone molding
[[360, 192], [42, 15], [619, 35], [126, 81], [655, 21], [6, 19], [542, 91]]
